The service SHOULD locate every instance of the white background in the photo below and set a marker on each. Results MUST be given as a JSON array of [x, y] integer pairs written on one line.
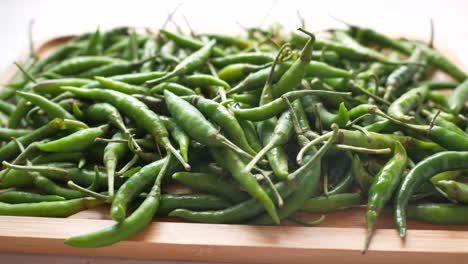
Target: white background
[[396, 17], [53, 18]]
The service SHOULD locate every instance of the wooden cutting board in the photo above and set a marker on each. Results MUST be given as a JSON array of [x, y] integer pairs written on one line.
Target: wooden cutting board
[[338, 240]]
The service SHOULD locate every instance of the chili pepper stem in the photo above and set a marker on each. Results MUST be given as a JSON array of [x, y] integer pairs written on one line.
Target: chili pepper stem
[[88, 192], [300, 155], [170, 149], [35, 168], [279, 199], [257, 157]]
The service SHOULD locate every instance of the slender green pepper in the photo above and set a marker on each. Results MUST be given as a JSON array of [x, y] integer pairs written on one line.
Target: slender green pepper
[[15, 197], [443, 161], [77, 141], [210, 183], [49, 209], [458, 98], [383, 186], [332, 203]]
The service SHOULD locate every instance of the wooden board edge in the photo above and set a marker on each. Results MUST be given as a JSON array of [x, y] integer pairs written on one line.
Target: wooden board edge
[[239, 243]]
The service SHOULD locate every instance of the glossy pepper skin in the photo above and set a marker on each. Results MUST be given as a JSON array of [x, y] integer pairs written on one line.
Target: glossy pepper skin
[[440, 162], [383, 186]]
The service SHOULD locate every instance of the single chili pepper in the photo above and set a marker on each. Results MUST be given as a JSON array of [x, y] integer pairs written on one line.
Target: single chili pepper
[[458, 98], [293, 76], [112, 35], [48, 186], [131, 78], [448, 139], [203, 80], [80, 64], [170, 202], [441, 214], [121, 86], [234, 164], [178, 135], [280, 136], [157, 105], [404, 74], [307, 185], [350, 49], [175, 88], [54, 110], [440, 61], [189, 64], [380, 141], [278, 105], [56, 55], [257, 79], [442, 122], [455, 191], [344, 185], [52, 87], [61, 172], [113, 153], [49, 209], [16, 197], [406, 102], [212, 184], [372, 35], [122, 45], [439, 85], [6, 107], [7, 93], [230, 40], [104, 112], [251, 134], [113, 69], [11, 148], [195, 124], [188, 42], [73, 157], [238, 71], [442, 161], [131, 225], [362, 177], [77, 141], [7, 133], [135, 185], [438, 98], [135, 110], [332, 203], [249, 58], [246, 98], [93, 46], [382, 188], [341, 118], [222, 117]]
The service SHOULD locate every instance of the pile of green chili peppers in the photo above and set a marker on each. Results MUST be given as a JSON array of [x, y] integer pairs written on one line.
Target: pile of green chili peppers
[[259, 127]]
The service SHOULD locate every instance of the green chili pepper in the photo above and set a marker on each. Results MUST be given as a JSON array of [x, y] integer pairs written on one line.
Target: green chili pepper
[[458, 98], [443, 161], [49, 209], [210, 183], [189, 64], [332, 203], [77, 141], [15, 197], [382, 188]]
